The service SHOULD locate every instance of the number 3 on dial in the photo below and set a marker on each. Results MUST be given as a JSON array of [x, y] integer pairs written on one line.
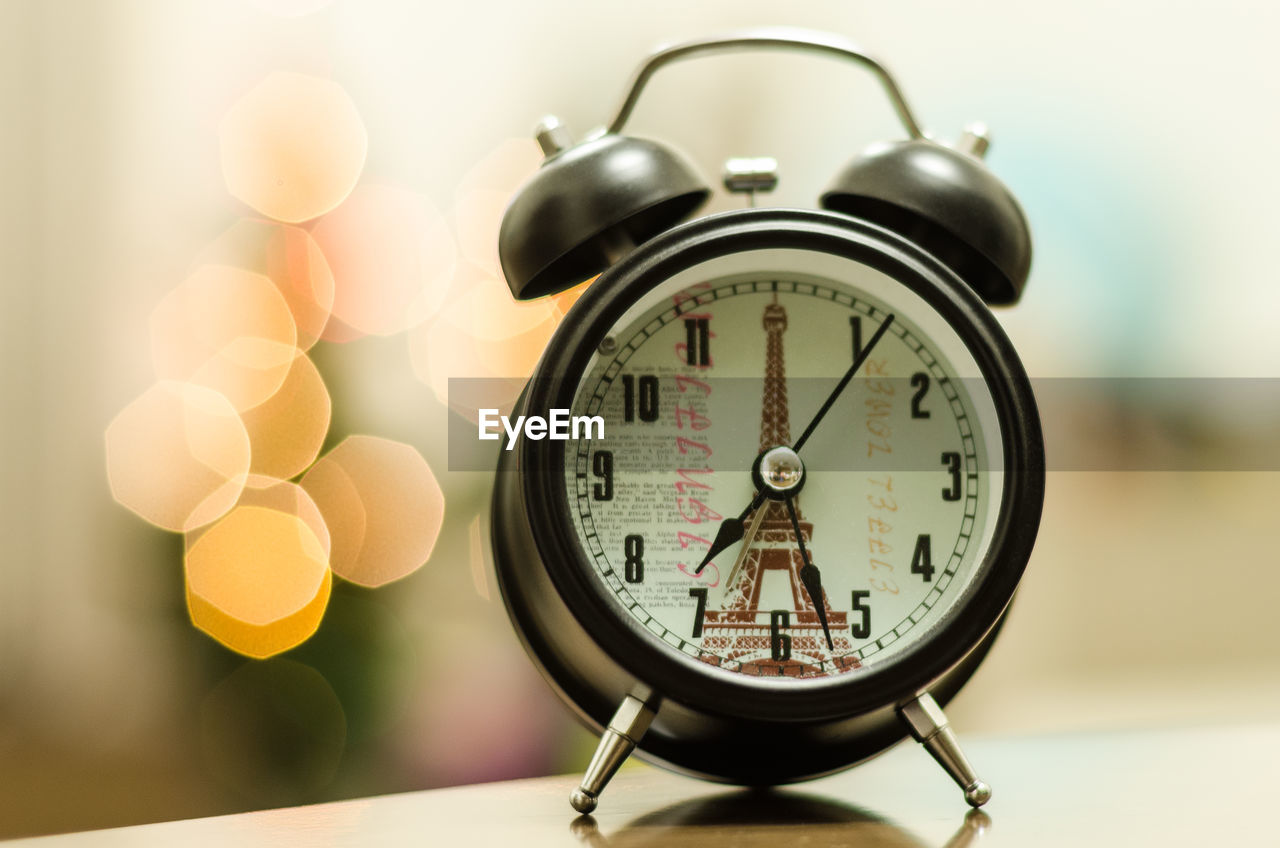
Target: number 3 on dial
[[951, 459]]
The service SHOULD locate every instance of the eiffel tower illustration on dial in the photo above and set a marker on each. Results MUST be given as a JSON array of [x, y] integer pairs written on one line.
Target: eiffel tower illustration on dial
[[774, 641]]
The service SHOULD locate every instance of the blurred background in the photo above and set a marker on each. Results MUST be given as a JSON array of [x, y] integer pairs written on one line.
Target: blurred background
[[247, 243]]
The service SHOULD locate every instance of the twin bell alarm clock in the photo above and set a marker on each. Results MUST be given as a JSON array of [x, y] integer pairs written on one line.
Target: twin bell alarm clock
[[798, 470]]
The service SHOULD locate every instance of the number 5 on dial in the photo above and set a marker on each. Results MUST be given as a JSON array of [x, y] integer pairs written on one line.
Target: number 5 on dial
[[861, 629]]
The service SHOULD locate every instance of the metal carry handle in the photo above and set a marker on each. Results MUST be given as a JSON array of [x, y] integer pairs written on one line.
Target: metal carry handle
[[767, 37]]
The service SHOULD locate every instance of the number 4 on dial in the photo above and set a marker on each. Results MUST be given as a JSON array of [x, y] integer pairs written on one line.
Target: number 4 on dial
[[922, 559]]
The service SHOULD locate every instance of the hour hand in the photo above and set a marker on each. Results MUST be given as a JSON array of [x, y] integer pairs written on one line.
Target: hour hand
[[729, 534], [731, 531]]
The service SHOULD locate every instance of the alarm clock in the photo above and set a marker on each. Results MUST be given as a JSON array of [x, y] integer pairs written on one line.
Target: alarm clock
[[809, 471]]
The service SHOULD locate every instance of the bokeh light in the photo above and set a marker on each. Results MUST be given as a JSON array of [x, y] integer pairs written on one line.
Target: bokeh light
[[481, 334], [484, 340], [402, 508], [482, 196], [259, 641], [228, 329], [293, 147], [565, 300], [290, 257], [281, 496], [392, 257], [329, 486], [258, 564], [287, 430], [477, 215], [485, 307], [258, 581], [178, 455]]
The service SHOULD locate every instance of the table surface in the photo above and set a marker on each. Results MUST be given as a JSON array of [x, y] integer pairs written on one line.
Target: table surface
[[1198, 786]]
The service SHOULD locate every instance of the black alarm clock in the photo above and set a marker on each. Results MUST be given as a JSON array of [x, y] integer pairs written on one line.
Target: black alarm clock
[[809, 471]]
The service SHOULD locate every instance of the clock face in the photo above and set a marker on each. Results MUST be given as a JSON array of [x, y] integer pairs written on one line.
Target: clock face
[[875, 526]]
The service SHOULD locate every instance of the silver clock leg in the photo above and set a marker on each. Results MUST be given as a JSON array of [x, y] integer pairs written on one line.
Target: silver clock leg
[[619, 740], [930, 728]]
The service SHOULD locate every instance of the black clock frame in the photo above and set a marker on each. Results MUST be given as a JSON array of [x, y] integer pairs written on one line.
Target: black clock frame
[[532, 481]]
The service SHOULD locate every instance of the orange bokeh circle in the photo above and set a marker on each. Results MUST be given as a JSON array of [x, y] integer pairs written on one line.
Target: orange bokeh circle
[[257, 564], [265, 640], [482, 196], [228, 329], [178, 455], [483, 346], [401, 508], [392, 257], [281, 496], [293, 147], [291, 259], [287, 430]]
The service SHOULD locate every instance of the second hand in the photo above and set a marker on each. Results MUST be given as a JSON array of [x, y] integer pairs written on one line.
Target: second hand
[[747, 540]]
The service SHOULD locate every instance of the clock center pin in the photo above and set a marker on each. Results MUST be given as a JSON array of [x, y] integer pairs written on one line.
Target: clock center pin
[[779, 472]]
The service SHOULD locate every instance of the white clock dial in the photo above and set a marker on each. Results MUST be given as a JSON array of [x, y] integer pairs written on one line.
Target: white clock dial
[[898, 499]]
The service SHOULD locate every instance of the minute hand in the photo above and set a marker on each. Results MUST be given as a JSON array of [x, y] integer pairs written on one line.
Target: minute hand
[[844, 381]]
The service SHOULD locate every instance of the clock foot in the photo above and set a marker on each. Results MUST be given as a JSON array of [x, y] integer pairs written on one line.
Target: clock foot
[[930, 728], [625, 729]]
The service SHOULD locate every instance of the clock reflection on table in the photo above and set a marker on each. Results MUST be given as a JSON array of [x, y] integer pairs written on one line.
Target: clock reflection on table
[[766, 818]]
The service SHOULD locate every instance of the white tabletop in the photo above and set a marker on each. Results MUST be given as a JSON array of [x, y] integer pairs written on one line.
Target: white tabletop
[[1200, 786]]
